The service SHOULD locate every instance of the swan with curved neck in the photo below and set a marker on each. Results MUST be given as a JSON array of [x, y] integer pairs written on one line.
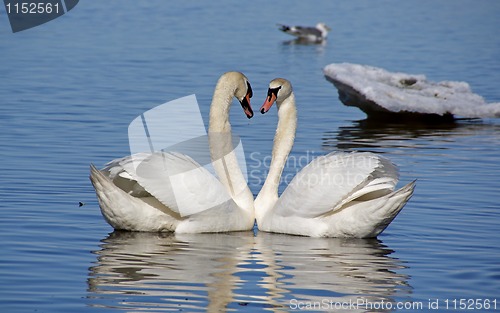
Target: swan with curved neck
[[134, 202], [336, 195]]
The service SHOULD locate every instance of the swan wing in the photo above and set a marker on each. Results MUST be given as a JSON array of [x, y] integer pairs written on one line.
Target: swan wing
[[125, 212], [115, 171], [329, 182], [177, 181]]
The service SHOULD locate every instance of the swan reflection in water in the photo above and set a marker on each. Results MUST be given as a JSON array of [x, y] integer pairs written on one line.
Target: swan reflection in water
[[229, 271]]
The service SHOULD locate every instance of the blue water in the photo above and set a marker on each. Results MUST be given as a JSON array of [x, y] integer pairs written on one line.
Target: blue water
[[70, 88]]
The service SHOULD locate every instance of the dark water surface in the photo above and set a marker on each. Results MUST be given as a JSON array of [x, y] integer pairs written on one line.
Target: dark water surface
[[70, 88]]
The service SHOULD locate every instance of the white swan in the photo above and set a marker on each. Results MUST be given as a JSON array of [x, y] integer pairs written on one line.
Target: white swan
[[142, 198], [336, 195]]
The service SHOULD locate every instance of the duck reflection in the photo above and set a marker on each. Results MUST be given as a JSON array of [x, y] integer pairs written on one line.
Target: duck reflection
[[222, 272]]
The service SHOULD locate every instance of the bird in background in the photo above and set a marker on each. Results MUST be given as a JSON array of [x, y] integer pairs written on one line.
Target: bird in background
[[317, 33]]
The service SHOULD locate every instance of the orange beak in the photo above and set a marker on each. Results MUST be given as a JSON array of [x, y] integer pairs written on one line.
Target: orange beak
[[245, 104], [268, 103]]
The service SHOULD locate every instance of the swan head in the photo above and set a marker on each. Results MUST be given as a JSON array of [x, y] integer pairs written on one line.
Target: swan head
[[243, 90], [279, 90]]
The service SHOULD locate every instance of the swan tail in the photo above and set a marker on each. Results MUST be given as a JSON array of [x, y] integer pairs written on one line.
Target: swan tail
[[125, 212], [111, 200], [367, 219], [394, 204]]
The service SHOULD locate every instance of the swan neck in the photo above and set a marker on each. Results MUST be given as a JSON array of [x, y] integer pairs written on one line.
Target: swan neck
[[283, 143], [219, 109], [222, 150]]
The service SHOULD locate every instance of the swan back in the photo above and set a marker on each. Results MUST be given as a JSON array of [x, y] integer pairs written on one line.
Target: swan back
[[326, 184]]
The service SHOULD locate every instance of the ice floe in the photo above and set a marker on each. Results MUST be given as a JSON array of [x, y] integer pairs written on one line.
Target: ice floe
[[377, 91]]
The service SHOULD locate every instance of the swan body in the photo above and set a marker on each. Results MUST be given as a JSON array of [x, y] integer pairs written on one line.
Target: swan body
[[336, 195], [171, 192]]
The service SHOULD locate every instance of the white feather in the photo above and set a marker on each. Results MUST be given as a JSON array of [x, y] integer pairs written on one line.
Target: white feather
[[329, 181]]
